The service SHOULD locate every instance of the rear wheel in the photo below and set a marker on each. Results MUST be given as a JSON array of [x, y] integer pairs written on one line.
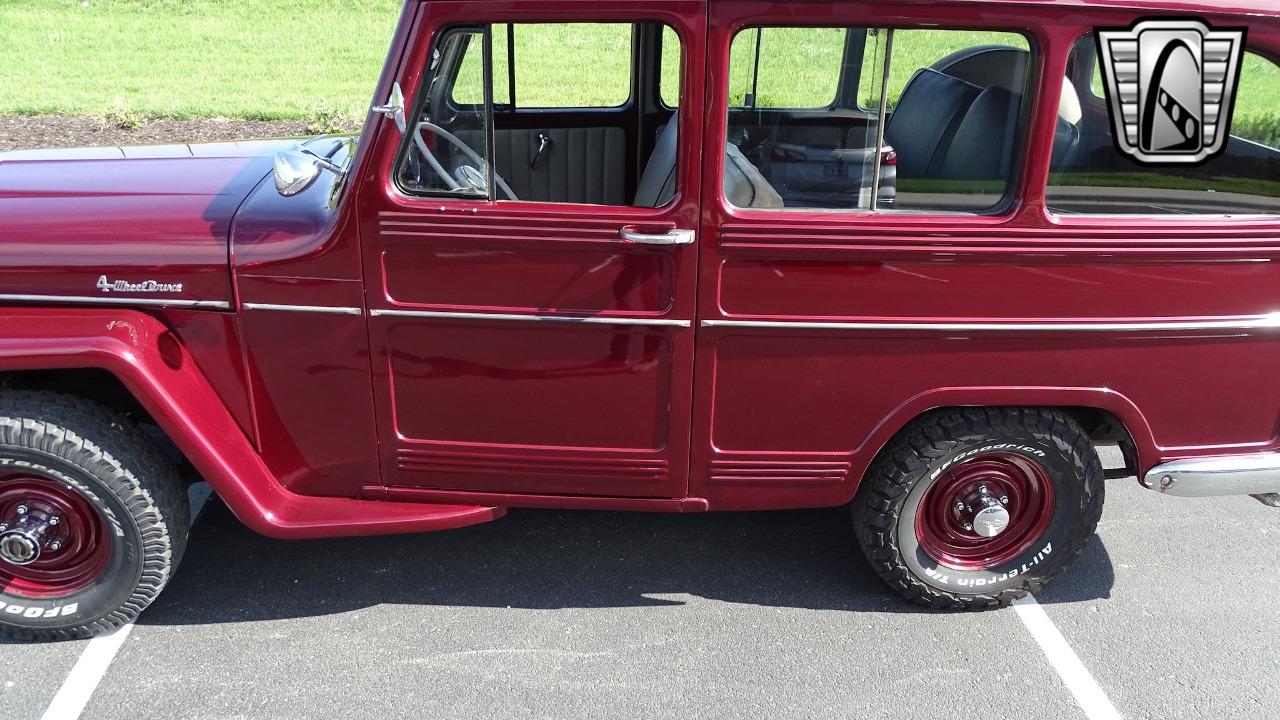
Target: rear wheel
[[93, 518], [972, 508]]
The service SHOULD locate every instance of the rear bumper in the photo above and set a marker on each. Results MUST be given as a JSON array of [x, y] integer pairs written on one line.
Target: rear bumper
[[1256, 474]]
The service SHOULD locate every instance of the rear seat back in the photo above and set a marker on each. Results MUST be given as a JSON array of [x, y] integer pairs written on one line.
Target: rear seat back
[[983, 145], [924, 123]]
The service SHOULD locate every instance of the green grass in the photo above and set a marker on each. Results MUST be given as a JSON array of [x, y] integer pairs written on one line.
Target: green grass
[[253, 59], [317, 60]]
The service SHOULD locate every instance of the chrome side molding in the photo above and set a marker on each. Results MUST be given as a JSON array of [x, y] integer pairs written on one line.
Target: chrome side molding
[[1257, 474], [512, 317], [322, 309], [115, 301], [1256, 322]]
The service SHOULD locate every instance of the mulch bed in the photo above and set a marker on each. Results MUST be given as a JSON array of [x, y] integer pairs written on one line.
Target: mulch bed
[[19, 132]]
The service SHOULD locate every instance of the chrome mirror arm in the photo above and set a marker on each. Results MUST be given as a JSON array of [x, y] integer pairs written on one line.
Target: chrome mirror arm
[[394, 108]]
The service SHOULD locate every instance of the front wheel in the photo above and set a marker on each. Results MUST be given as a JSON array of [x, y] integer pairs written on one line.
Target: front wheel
[[93, 518], [972, 508]]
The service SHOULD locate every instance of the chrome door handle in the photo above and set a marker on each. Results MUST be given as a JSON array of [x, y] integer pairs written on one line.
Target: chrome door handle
[[670, 237]]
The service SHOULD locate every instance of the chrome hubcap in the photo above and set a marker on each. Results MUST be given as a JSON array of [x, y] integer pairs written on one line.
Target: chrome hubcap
[[984, 513], [25, 535]]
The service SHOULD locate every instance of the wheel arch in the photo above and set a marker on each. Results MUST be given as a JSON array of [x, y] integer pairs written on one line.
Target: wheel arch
[[1105, 414]]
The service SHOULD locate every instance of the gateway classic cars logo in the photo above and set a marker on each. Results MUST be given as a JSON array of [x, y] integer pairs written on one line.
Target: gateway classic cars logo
[[1171, 88]]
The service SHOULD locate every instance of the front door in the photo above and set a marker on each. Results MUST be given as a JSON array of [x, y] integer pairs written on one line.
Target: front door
[[529, 251]]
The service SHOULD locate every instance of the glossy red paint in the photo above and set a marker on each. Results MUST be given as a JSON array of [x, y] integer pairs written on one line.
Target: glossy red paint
[[944, 524], [791, 417], [132, 214], [300, 420], [537, 408], [75, 550], [139, 350]]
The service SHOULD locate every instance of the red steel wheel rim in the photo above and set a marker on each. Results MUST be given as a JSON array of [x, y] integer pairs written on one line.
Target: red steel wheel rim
[[74, 551], [941, 527]]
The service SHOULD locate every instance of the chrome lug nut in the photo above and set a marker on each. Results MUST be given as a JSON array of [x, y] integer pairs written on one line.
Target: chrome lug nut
[[54, 520], [967, 526], [1004, 499], [959, 506], [21, 510], [55, 546]]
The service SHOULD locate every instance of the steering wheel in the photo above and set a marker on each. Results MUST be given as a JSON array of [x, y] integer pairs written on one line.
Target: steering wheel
[[471, 176]]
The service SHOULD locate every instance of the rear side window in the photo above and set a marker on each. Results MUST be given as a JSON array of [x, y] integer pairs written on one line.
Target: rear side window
[[913, 49], [875, 119], [1090, 176], [786, 67]]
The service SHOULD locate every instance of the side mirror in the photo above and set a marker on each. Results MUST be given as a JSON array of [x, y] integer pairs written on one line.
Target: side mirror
[[394, 108], [297, 169]]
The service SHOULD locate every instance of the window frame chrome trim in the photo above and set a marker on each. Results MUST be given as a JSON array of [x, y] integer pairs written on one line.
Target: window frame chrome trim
[[514, 317]]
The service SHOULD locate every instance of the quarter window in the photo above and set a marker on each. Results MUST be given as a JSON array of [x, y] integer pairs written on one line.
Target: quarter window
[[875, 119], [1090, 176]]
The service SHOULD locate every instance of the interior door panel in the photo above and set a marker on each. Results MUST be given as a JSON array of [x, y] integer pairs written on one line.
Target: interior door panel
[[576, 165]]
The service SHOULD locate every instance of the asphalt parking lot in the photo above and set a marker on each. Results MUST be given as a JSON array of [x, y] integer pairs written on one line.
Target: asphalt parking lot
[[1174, 611]]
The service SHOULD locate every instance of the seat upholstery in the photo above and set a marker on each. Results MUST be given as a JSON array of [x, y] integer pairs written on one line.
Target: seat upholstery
[[744, 186], [658, 183], [924, 123], [982, 147]]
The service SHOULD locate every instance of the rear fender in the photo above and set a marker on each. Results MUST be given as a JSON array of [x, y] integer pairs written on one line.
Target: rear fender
[[154, 366], [1092, 398]]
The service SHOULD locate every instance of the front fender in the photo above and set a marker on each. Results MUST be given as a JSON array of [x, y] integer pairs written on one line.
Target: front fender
[[154, 366]]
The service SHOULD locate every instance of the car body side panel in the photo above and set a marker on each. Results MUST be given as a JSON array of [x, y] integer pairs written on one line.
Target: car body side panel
[[150, 361], [215, 342], [792, 416]]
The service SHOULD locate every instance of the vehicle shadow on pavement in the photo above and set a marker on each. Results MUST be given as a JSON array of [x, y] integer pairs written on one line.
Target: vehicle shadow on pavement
[[550, 560]]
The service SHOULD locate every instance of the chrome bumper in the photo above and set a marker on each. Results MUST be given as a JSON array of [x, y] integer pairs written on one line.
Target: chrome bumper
[[1257, 475]]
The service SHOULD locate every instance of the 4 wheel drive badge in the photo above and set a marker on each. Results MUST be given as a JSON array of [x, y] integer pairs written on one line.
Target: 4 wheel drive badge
[[146, 286], [1171, 87]]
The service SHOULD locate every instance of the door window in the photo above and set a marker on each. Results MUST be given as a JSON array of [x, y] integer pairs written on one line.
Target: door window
[[547, 112], [1090, 176], [875, 119]]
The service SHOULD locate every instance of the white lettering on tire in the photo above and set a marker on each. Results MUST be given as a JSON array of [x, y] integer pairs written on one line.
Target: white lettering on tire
[[32, 611], [937, 575], [988, 448]]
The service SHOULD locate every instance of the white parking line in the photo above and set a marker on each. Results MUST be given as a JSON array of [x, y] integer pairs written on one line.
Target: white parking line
[[1091, 699], [89, 670]]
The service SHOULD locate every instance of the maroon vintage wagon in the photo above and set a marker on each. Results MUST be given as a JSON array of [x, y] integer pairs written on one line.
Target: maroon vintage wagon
[[919, 258]]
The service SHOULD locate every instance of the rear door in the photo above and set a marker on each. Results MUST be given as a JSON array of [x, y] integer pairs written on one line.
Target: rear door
[[540, 345]]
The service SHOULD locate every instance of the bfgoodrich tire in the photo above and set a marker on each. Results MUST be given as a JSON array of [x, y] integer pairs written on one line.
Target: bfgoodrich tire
[[95, 518], [972, 508]]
